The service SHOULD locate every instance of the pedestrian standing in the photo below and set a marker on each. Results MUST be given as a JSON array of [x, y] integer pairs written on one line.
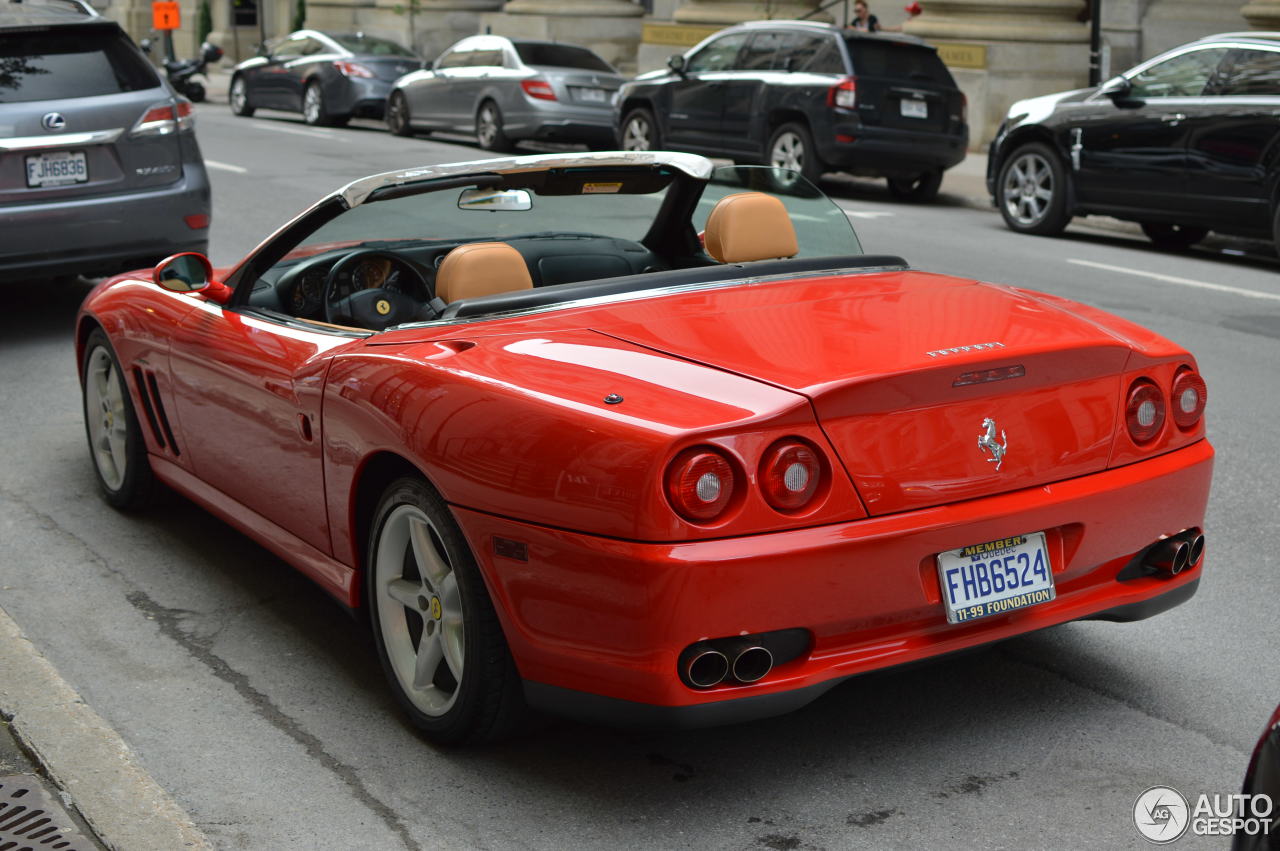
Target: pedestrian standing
[[863, 19]]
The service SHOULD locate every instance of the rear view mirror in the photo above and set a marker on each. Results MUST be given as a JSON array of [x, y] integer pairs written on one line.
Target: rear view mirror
[[496, 200], [189, 272]]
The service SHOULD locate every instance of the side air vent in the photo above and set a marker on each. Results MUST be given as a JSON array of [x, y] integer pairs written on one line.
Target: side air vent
[[144, 392], [153, 406]]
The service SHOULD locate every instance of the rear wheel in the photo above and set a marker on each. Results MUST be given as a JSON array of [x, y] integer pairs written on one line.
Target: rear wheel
[[791, 147], [489, 132], [1173, 237], [434, 626], [398, 115], [1031, 191], [315, 111], [919, 189], [239, 97], [639, 131], [115, 439]]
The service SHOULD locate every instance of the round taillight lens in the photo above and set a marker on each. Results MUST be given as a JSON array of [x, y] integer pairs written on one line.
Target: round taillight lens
[[700, 484], [790, 473], [1188, 398], [1144, 413]]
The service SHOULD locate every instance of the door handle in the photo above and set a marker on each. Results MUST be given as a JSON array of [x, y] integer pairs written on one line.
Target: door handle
[[1174, 118]]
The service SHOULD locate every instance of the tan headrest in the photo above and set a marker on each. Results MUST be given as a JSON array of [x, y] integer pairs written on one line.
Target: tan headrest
[[481, 268], [750, 226]]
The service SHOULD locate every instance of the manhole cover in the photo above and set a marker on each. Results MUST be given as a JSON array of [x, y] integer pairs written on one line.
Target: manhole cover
[[30, 820]]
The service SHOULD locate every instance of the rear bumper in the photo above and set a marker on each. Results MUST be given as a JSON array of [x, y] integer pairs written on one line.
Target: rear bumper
[[562, 123], [609, 618], [105, 233], [888, 152]]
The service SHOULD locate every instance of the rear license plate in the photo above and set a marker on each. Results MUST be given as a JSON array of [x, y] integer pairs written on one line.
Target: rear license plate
[[915, 108], [57, 169], [995, 577], [587, 95]]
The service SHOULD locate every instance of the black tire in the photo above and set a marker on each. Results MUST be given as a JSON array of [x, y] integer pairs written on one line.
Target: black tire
[[639, 131], [1173, 237], [315, 111], [487, 702], [398, 115], [239, 102], [791, 147], [122, 467], [920, 189], [490, 134], [1031, 191]]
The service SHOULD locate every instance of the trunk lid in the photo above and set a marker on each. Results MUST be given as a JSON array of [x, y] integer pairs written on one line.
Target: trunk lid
[[904, 371]]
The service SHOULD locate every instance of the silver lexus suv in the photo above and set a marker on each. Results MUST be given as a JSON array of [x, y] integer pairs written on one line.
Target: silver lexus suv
[[99, 167]]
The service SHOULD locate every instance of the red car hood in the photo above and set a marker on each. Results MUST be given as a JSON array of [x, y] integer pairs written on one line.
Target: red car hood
[[904, 370]]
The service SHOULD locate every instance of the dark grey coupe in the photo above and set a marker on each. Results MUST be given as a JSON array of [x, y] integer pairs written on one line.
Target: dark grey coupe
[[328, 77], [504, 90]]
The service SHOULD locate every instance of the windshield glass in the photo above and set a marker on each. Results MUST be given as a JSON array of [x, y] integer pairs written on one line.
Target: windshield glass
[[822, 228]]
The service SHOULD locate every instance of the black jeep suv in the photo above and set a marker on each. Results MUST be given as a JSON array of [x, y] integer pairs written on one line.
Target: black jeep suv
[[805, 96]]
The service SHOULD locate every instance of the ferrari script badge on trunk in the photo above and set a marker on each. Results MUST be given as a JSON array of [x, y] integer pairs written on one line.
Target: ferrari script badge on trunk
[[987, 442]]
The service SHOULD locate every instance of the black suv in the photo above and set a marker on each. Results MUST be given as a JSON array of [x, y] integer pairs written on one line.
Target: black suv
[[805, 96], [1184, 143], [99, 167]]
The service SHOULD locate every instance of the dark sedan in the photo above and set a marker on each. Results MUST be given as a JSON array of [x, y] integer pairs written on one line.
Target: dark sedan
[[505, 90], [1183, 144], [328, 77]]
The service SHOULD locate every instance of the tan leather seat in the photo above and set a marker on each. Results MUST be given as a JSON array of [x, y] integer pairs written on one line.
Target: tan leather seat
[[750, 226], [481, 268]]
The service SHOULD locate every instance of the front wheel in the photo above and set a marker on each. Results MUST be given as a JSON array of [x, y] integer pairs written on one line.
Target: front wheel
[[116, 443], [920, 189], [490, 134], [239, 97], [639, 131], [791, 147], [434, 626], [398, 115], [1031, 191], [1173, 237]]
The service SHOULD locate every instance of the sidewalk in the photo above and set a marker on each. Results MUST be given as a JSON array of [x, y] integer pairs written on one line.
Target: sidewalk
[[60, 757]]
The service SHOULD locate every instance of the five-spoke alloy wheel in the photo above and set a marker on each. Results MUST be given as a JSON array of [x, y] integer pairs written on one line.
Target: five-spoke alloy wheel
[[791, 147], [239, 97], [639, 131], [490, 134], [435, 628], [115, 440]]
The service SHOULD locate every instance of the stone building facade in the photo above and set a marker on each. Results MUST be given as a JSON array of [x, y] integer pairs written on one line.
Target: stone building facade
[[999, 50]]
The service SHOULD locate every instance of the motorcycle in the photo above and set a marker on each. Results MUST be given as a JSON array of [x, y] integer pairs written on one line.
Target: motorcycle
[[182, 72]]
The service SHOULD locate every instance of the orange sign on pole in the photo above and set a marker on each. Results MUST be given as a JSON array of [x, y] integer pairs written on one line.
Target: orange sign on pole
[[164, 15]]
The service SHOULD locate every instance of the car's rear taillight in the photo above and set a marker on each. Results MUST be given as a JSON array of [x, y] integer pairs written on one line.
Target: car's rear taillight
[[964, 107], [700, 483], [1144, 411], [790, 473], [843, 94], [165, 118], [1188, 398], [352, 69], [536, 87]]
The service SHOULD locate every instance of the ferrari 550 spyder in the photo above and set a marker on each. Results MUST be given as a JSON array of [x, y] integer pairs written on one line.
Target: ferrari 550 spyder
[[631, 438]]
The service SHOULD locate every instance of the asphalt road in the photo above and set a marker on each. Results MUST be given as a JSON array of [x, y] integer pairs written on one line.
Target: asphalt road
[[259, 704]]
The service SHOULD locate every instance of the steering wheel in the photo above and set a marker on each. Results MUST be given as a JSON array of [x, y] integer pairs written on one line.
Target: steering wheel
[[376, 308]]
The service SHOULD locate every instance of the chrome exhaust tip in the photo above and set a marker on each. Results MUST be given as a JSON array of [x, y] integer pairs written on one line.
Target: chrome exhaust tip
[[1169, 556], [704, 666], [1195, 549], [752, 664]]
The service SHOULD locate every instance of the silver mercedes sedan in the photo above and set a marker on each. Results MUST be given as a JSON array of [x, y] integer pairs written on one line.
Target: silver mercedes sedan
[[505, 90]]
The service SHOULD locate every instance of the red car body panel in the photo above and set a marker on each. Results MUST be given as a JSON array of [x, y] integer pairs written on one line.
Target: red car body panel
[[274, 427]]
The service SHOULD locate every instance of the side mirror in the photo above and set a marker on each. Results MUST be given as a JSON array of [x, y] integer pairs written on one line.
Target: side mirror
[[145, 44], [190, 272], [1117, 88], [676, 63]]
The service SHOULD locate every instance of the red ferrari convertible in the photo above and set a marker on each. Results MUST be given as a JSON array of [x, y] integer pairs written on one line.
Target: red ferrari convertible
[[630, 438]]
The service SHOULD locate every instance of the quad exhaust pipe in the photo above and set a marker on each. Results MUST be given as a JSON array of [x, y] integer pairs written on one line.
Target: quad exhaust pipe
[[708, 663], [1175, 554]]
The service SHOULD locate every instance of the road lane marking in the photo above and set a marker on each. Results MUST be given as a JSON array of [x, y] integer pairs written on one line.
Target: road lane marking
[[1173, 279], [226, 167], [866, 214], [297, 131]]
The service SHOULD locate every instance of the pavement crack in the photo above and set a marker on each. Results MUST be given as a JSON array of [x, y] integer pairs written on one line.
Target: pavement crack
[[1122, 699], [170, 623]]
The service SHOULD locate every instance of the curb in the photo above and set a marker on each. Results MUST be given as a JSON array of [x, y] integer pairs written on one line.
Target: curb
[[84, 756]]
